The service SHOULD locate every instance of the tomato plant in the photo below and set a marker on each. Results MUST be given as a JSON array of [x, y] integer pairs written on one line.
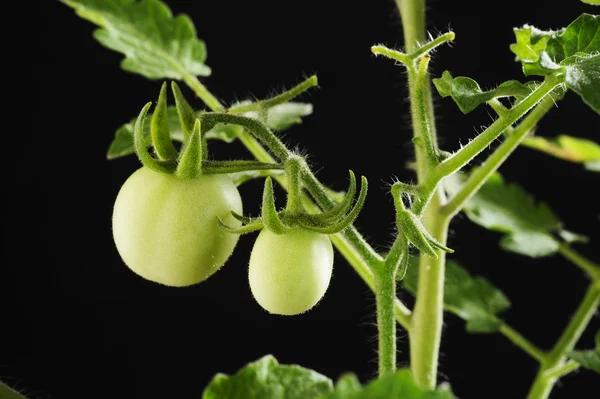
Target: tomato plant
[[177, 219]]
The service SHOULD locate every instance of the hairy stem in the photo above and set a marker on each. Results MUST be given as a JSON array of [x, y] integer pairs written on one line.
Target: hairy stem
[[385, 293], [480, 143], [426, 328], [546, 378], [482, 174]]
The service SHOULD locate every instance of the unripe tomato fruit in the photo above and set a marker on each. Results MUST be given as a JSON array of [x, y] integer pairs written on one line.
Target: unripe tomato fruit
[[166, 229], [290, 273]]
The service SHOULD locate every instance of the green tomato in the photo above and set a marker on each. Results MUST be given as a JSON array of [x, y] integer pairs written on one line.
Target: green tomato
[[290, 273], [166, 229]]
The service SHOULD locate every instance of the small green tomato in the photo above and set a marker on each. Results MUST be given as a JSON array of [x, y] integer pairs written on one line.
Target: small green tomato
[[166, 229], [290, 273]]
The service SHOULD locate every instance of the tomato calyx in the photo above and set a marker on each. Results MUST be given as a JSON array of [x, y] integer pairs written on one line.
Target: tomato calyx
[[410, 226], [294, 216], [191, 161]]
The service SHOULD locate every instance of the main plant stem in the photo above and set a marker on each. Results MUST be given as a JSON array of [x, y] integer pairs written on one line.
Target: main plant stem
[[547, 377], [428, 315]]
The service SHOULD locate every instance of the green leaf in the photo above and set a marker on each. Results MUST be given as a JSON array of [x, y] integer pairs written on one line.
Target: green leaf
[[155, 44], [509, 209], [399, 385], [592, 2], [473, 299], [575, 50], [531, 42], [267, 379], [468, 95], [581, 37], [568, 148], [347, 386], [283, 116], [7, 392], [589, 359]]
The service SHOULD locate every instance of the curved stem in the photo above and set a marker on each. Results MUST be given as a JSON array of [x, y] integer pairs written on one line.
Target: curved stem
[[591, 268], [545, 380]]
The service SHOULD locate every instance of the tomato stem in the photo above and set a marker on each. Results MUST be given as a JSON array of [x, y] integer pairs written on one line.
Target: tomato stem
[[292, 169], [557, 358], [385, 293]]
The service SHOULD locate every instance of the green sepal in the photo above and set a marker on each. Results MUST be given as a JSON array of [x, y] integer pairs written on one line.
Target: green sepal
[[159, 128], [468, 95], [412, 228], [190, 164], [187, 116], [246, 228], [343, 207], [347, 220], [269, 214], [141, 149], [589, 359]]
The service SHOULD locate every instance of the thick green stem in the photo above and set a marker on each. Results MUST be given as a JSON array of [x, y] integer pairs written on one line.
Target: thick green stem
[[385, 293], [546, 378], [428, 316], [413, 22], [426, 327]]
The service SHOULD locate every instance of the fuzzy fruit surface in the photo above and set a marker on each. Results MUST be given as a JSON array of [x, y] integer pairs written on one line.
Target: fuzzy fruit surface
[[290, 273], [166, 229]]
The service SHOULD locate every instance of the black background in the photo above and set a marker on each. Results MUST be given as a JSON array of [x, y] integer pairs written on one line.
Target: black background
[[78, 324]]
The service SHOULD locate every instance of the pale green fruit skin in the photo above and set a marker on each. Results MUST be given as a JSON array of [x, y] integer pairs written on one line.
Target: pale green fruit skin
[[290, 273], [166, 229]]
